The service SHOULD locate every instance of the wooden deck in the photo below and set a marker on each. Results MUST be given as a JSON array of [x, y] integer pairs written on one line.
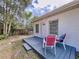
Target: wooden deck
[[36, 44]]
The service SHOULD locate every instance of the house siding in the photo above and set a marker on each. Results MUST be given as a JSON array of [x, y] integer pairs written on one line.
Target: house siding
[[40, 28], [68, 22]]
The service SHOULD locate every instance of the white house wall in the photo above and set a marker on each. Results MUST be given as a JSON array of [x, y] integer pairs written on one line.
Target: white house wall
[[40, 28], [68, 23]]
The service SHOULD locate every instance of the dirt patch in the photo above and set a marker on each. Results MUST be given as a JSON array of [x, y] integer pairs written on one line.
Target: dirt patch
[[12, 48]]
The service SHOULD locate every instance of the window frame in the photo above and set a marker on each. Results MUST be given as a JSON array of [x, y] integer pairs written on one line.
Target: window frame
[[36, 28], [55, 32]]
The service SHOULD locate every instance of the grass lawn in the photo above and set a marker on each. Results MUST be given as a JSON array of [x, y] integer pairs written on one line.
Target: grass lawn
[[77, 57], [14, 50]]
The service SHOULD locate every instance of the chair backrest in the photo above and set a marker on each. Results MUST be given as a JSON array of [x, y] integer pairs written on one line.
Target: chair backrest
[[62, 37], [50, 40]]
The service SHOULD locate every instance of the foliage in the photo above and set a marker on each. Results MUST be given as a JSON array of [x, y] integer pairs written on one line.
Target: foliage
[[27, 15], [10, 12], [77, 55], [2, 37]]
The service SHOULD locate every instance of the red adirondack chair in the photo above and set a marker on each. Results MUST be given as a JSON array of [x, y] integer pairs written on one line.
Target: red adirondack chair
[[50, 41]]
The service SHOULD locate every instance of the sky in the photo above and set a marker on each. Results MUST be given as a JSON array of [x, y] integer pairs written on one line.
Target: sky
[[41, 7], [43, 3]]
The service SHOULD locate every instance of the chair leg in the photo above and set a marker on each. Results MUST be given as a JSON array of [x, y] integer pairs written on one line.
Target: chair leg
[[64, 46], [55, 50], [45, 48], [43, 45]]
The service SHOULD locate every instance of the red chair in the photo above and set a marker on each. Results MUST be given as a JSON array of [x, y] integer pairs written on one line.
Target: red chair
[[50, 41]]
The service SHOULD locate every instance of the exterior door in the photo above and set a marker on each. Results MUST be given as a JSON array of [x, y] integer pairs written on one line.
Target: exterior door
[[43, 30]]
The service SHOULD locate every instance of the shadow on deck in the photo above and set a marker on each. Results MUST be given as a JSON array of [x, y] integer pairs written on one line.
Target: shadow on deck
[[36, 44]]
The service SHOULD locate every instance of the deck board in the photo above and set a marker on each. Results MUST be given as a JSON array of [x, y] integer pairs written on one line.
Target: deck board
[[27, 47], [60, 53], [73, 53], [36, 43], [68, 52]]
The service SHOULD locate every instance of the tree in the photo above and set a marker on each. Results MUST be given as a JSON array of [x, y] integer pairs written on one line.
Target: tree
[[11, 11]]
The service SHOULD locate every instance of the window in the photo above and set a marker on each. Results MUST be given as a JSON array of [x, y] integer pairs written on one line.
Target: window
[[37, 28], [53, 27]]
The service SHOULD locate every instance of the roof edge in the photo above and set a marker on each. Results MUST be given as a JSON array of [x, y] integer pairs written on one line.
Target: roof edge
[[70, 6]]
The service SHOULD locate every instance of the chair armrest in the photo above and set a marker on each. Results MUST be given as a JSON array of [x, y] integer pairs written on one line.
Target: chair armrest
[[44, 41]]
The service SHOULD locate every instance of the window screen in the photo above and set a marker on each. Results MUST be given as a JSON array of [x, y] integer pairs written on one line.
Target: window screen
[[53, 27]]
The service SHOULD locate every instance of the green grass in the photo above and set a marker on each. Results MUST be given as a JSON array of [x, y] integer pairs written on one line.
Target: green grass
[[77, 56], [2, 37]]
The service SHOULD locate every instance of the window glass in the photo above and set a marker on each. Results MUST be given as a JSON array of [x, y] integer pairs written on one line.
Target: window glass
[[37, 28], [53, 27]]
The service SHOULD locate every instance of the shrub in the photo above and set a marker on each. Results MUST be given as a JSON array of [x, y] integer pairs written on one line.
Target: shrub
[[2, 37]]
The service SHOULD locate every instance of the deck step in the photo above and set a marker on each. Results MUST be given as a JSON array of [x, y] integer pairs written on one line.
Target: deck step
[[27, 47]]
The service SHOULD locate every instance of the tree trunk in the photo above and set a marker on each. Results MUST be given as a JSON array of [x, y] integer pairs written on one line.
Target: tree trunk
[[4, 32], [6, 29], [9, 28]]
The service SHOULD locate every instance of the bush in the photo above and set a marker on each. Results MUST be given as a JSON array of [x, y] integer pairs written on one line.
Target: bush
[[2, 37], [77, 55]]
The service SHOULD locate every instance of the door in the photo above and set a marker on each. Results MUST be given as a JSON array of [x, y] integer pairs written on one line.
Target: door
[[43, 30]]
